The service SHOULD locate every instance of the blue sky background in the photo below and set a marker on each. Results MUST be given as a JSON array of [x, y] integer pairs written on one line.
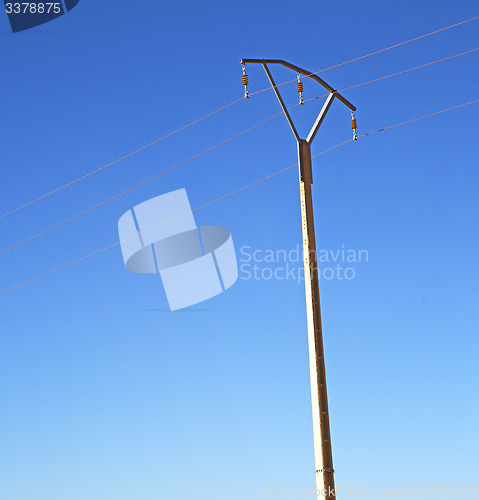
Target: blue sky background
[[106, 395]]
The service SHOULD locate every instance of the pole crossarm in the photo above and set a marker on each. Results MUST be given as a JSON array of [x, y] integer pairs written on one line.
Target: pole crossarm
[[304, 72]]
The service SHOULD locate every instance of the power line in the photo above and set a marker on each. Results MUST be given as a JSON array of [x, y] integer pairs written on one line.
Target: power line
[[396, 74], [410, 69], [234, 192], [218, 110], [117, 160], [374, 53], [420, 118], [138, 185], [214, 147]]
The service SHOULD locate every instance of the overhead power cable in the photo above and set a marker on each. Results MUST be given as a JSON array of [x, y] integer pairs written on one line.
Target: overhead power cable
[[214, 147], [373, 53], [138, 185], [395, 74], [117, 160], [410, 69], [232, 193], [56, 190]]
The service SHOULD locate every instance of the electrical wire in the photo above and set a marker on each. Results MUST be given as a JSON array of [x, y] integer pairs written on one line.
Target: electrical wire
[[410, 69], [420, 118], [372, 53], [216, 146], [117, 160], [395, 74], [218, 110], [232, 193], [138, 185]]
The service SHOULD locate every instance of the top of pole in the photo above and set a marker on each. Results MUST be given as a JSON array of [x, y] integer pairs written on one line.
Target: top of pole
[[305, 73]]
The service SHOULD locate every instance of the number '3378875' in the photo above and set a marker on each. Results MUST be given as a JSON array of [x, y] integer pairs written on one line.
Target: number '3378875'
[[33, 8]]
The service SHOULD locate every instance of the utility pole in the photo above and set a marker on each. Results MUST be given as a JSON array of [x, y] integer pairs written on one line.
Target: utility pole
[[319, 396]]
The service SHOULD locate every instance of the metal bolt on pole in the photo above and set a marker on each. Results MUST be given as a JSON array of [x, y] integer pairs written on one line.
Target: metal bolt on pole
[[319, 396]]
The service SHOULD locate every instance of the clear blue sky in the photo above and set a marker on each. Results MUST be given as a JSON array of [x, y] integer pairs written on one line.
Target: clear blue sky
[[106, 395]]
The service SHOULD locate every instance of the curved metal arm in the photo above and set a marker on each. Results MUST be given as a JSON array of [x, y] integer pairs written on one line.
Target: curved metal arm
[[319, 120], [303, 72]]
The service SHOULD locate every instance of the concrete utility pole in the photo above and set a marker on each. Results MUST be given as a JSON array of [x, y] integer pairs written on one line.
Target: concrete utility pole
[[319, 396]]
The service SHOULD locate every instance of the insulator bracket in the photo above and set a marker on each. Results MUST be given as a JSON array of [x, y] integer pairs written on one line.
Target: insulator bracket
[[244, 80], [300, 89], [354, 126]]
